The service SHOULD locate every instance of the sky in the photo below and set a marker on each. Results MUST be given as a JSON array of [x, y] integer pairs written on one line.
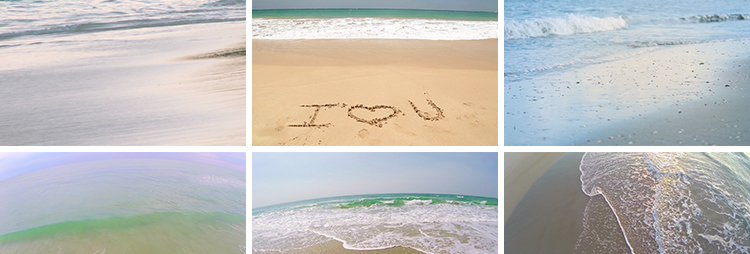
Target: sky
[[286, 177], [15, 164], [455, 5]]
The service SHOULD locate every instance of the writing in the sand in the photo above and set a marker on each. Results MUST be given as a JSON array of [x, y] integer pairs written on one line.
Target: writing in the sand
[[378, 121]]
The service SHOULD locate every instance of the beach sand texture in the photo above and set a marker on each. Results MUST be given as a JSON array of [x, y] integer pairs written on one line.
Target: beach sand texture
[[549, 217], [520, 172], [375, 92], [170, 85], [681, 95]]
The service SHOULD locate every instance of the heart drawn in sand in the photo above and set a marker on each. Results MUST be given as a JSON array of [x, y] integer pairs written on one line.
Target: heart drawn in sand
[[378, 110]]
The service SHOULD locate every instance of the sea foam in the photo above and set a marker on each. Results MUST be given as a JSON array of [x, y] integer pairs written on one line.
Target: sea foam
[[673, 202], [373, 28], [572, 24], [428, 227]]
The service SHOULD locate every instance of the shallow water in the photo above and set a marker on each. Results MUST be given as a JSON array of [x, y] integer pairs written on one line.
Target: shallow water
[[667, 202], [136, 205], [591, 73], [83, 73], [552, 35], [433, 223]]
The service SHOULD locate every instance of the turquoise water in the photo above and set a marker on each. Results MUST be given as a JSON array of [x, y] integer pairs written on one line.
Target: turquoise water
[[668, 202], [124, 206], [375, 13], [433, 223]]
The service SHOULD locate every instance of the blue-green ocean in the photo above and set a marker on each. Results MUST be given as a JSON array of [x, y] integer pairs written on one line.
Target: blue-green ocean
[[432, 223], [124, 206]]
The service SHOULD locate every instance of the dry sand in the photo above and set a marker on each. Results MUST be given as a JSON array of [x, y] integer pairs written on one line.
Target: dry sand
[[677, 95], [549, 218], [521, 170], [374, 92], [336, 247]]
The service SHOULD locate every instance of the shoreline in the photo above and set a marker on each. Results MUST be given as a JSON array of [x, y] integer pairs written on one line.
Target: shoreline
[[336, 247], [653, 98], [417, 92], [175, 85]]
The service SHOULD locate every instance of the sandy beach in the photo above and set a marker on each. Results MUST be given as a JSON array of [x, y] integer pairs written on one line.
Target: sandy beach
[[375, 92], [548, 218], [163, 85], [680, 95], [520, 172]]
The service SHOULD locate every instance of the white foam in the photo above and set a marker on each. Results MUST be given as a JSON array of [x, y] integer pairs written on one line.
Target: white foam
[[373, 28], [418, 202], [437, 228], [572, 24]]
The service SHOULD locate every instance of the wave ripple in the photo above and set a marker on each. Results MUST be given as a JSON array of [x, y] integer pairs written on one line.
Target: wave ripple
[[572, 24]]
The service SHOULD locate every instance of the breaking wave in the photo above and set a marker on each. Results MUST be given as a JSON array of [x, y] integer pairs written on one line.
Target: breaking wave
[[572, 24]]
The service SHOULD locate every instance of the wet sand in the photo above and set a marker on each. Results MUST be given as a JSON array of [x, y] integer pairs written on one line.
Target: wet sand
[[549, 217], [520, 171], [175, 85], [336, 247], [676, 95], [375, 92]]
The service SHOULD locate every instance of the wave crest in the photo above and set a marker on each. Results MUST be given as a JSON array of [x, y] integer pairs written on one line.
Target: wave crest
[[573, 24], [717, 17]]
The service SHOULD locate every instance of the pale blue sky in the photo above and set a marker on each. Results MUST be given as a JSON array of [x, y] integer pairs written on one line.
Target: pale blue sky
[[455, 5], [15, 164], [286, 177]]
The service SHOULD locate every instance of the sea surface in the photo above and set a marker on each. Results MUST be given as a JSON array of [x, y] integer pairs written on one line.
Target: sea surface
[[30, 18], [544, 40], [85, 72], [432, 223], [666, 203], [544, 36], [124, 206], [374, 24]]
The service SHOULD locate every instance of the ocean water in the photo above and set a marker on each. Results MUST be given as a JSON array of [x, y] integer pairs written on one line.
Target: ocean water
[[547, 36], [124, 206], [24, 19], [577, 67], [373, 24], [104, 72], [666, 202], [432, 223]]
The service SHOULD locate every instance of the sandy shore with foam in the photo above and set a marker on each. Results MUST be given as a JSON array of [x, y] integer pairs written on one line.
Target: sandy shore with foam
[[667, 95], [171, 85], [336, 247], [374, 92]]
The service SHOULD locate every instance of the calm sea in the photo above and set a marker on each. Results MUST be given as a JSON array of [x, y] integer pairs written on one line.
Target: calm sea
[[124, 206]]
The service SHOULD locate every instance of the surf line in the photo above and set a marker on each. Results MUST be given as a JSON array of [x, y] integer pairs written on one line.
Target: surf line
[[379, 121], [599, 192]]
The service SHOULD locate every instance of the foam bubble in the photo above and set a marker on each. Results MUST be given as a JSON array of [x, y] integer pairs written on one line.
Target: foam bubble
[[572, 24], [436, 228], [373, 28]]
